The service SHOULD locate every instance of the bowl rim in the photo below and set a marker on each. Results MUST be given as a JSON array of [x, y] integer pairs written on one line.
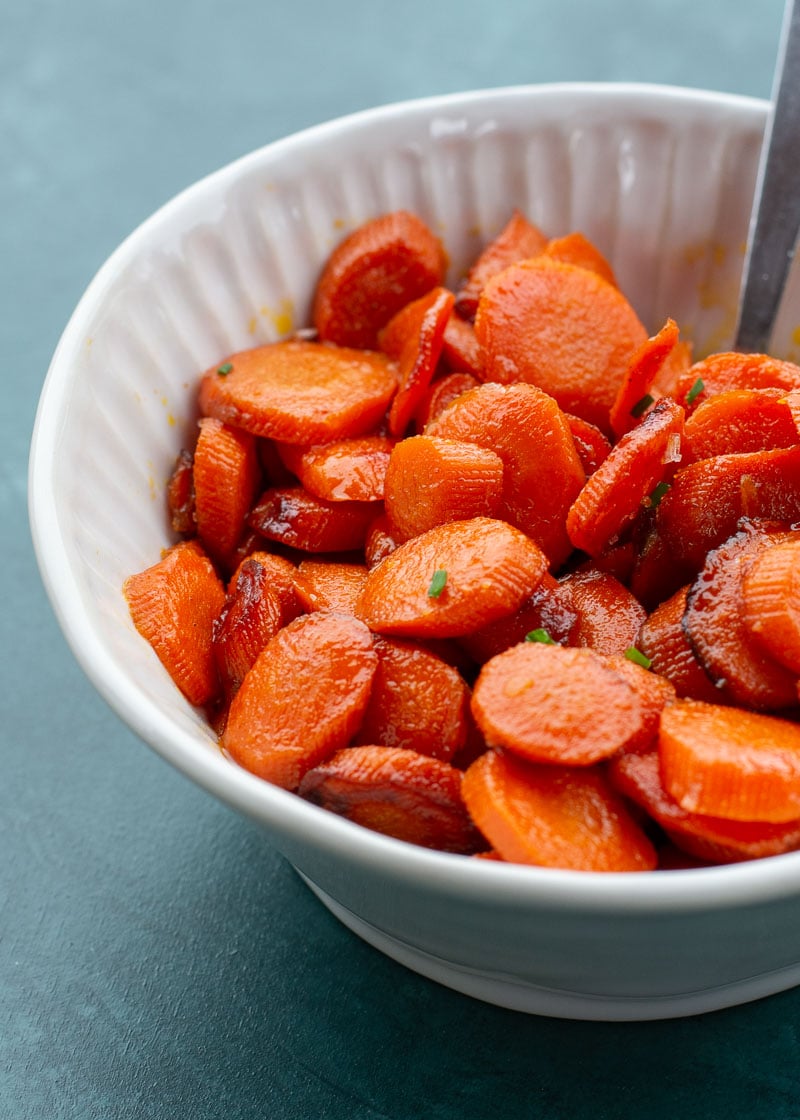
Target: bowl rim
[[688, 890]]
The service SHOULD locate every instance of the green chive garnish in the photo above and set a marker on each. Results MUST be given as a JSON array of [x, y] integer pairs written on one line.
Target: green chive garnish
[[437, 583], [658, 494], [225, 369], [540, 635], [695, 391], [642, 405], [637, 657]]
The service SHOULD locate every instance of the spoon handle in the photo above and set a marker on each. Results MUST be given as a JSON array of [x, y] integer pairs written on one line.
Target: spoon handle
[[775, 220]]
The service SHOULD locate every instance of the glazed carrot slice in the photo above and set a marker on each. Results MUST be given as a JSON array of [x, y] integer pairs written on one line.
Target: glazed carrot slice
[[380, 541], [417, 342], [548, 703], [253, 613], [173, 605], [227, 475], [299, 391], [732, 370], [654, 693], [461, 351], [296, 518], [725, 762], [706, 837], [561, 328], [440, 395], [707, 499], [657, 573], [451, 580], [740, 421], [641, 460], [669, 377], [608, 615], [545, 613], [640, 377], [180, 495], [279, 575], [329, 584], [418, 702], [554, 816], [383, 265], [397, 792], [542, 472], [715, 626], [517, 241], [592, 446], [771, 602], [327, 660], [346, 470], [576, 249], [663, 641], [430, 481]]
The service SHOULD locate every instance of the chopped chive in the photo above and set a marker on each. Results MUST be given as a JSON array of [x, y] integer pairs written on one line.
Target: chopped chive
[[695, 391], [540, 635], [642, 405], [225, 369], [437, 583], [658, 494], [637, 657]]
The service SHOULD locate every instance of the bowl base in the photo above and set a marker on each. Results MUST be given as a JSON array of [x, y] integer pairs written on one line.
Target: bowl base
[[557, 1003]]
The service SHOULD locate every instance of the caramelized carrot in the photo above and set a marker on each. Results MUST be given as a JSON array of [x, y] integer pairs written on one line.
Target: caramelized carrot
[[663, 641], [554, 816], [724, 762], [461, 351], [654, 693], [296, 518], [608, 615], [397, 792], [180, 495], [417, 702], [430, 481], [732, 370], [451, 580], [226, 479], [640, 377], [253, 613], [552, 704], [561, 328], [300, 392], [173, 605], [328, 660], [384, 264], [329, 584], [611, 497], [419, 340], [279, 575], [440, 395], [576, 249], [771, 602], [738, 421], [592, 446], [545, 611], [380, 541], [346, 470], [542, 472], [517, 241]]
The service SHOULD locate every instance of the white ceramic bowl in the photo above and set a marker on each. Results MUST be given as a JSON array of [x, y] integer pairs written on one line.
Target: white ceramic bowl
[[662, 180]]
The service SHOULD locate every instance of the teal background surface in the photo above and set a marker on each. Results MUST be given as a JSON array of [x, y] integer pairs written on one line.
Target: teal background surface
[[158, 959]]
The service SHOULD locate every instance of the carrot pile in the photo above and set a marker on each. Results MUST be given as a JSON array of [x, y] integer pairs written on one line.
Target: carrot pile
[[492, 570]]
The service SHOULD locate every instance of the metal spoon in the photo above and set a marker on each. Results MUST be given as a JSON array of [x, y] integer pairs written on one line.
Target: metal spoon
[[775, 220]]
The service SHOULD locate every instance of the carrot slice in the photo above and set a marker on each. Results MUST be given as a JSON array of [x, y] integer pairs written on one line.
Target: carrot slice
[[657, 573], [380, 541], [452, 579], [554, 816], [440, 395], [383, 265], [280, 574], [296, 518], [654, 693], [180, 495], [227, 475], [640, 377], [641, 460], [253, 613], [663, 641], [299, 391], [397, 792], [609, 617], [742, 766], [552, 704], [706, 837], [461, 351], [592, 446], [708, 498], [733, 370], [329, 585], [739, 421], [417, 342], [517, 241], [561, 328], [328, 660], [576, 249], [714, 625], [418, 702], [173, 605], [771, 602], [542, 471], [346, 470], [545, 612], [430, 481]]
